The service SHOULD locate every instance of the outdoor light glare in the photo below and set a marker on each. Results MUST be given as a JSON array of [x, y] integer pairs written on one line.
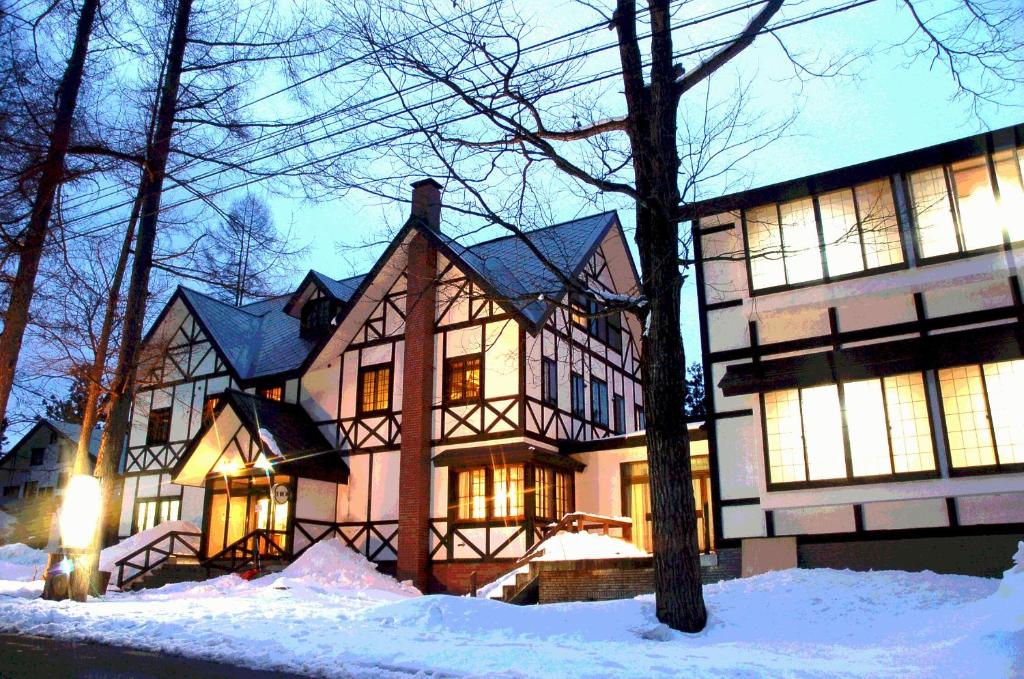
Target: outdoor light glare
[[263, 463], [228, 467], [80, 512]]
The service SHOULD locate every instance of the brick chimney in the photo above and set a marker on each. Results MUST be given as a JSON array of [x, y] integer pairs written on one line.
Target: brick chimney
[[426, 202], [415, 468]]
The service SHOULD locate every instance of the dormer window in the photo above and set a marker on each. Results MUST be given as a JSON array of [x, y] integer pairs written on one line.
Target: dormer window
[[317, 315]]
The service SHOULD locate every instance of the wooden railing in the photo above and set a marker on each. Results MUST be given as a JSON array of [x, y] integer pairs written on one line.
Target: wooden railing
[[577, 522], [249, 551], [154, 554]]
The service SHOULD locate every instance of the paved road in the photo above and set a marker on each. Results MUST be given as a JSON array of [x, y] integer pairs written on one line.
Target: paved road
[[22, 657]]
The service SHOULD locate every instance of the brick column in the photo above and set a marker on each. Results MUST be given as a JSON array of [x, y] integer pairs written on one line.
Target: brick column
[[417, 391]]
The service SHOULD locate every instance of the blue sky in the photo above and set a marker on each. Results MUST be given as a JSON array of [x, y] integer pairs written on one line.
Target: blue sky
[[886, 103]]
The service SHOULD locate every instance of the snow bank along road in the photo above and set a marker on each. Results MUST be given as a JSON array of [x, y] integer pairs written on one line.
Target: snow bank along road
[[331, 614]]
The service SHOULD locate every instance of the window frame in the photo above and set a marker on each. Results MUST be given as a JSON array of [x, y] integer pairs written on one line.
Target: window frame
[[618, 414], [826, 277], [491, 516], [37, 457], [154, 437], [449, 371], [955, 211], [273, 392], [975, 470], [639, 417], [578, 395], [361, 385], [210, 403], [157, 503], [599, 402], [850, 479], [549, 381]]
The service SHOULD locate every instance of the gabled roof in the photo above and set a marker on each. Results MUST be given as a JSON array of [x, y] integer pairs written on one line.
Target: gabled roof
[[68, 430], [516, 272], [289, 437], [262, 339]]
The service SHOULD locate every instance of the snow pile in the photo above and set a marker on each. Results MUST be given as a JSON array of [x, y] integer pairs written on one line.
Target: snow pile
[[21, 563], [111, 555], [567, 547], [333, 566], [1007, 604], [270, 442]]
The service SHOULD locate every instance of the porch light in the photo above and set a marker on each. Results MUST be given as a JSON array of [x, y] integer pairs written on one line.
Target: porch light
[[228, 467], [80, 512], [263, 463]]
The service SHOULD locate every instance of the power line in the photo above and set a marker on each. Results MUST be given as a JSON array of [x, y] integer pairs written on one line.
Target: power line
[[811, 16], [398, 94]]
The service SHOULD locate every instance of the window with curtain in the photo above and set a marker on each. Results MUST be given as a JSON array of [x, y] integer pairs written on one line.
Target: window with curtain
[[543, 492], [375, 388], [151, 513], [472, 490], [462, 379], [508, 491], [982, 408]]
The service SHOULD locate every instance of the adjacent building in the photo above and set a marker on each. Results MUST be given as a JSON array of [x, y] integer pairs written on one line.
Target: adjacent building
[[863, 334]]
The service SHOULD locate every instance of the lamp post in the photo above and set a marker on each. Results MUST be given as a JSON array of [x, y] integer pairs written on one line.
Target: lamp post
[[79, 519]]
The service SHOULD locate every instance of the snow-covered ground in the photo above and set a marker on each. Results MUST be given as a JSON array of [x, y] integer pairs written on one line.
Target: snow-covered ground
[[21, 563], [330, 614]]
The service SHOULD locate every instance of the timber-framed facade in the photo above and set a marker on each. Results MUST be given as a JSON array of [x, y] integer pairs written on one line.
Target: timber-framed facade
[[434, 413], [863, 335]]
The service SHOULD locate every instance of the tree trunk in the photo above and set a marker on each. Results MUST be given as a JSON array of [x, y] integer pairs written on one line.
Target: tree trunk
[[157, 152], [653, 109], [51, 177], [90, 411]]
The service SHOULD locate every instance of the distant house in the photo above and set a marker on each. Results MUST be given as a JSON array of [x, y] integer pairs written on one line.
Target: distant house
[[863, 334], [35, 470]]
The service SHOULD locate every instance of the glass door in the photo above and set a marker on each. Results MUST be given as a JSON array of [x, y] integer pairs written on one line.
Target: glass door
[[240, 506]]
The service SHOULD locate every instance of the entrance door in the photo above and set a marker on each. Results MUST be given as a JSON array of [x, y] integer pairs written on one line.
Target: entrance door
[[239, 506], [636, 503]]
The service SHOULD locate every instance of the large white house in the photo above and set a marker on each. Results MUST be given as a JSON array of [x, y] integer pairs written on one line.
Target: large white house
[[436, 412], [863, 335]]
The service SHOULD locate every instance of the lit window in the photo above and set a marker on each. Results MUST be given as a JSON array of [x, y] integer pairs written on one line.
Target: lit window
[[209, 406], [150, 513], [963, 400], [800, 240], [508, 491], [975, 218], [982, 409], [273, 393], [765, 247], [841, 233], [909, 426], [823, 432], [880, 228], [563, 494], [869, 440], [980, 223], [785, 436], [1009, 166], [936, 230], [375, 388], [472, 500], [886, 422], [543, 490], [463, 379]]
